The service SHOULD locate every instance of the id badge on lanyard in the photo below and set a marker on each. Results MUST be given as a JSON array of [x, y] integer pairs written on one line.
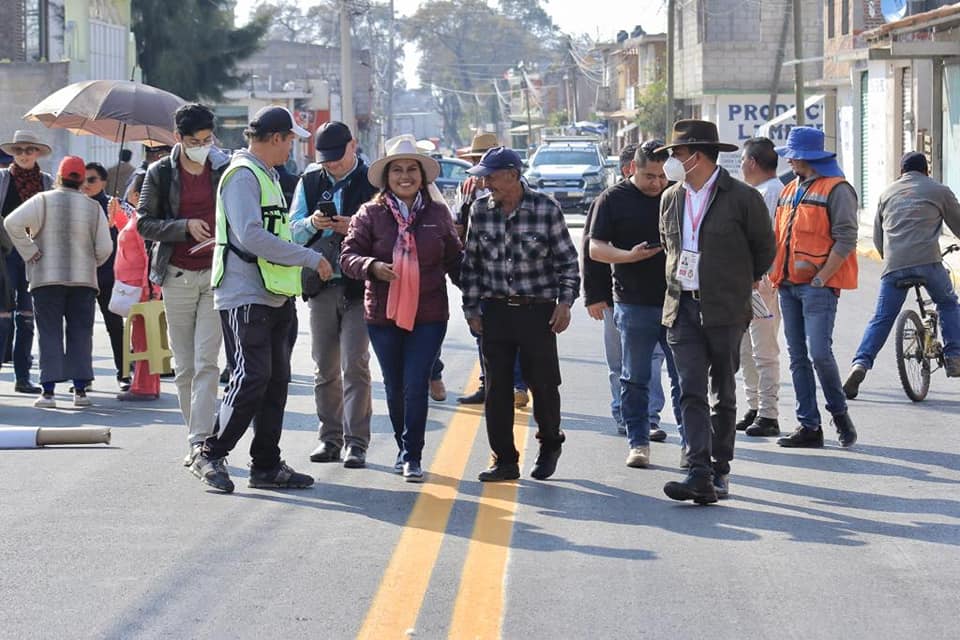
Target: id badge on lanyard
[[688, 266]]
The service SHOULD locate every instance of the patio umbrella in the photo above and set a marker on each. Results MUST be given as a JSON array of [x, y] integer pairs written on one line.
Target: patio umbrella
[[117, 110]]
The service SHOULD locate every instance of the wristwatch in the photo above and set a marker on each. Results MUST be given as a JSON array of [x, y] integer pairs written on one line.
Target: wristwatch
[[816, 282]]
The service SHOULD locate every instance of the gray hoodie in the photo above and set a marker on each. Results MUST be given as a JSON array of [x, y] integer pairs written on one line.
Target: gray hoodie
[[910, 219], [242, 283]]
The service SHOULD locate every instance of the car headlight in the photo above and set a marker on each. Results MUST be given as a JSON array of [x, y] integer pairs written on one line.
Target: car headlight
[[593, 180]]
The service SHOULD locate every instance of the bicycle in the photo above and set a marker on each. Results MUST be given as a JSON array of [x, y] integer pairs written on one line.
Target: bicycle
[[919, 350]]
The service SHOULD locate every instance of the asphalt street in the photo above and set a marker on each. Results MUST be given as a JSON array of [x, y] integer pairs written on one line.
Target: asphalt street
[[121, 541]]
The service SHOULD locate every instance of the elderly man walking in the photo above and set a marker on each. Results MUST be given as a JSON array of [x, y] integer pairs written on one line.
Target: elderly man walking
[[906, 232], [719, 243], [519, 277], [816, 230]]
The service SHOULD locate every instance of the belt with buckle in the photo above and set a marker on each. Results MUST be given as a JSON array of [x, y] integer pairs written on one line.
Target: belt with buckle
[[695, 294], [518, 301]]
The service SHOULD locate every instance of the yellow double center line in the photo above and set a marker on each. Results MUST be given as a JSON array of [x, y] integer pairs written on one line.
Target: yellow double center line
[[478, 608]]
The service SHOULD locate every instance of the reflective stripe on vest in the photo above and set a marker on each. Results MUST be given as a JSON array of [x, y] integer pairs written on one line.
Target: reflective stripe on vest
[[803, 235], [277, 278]]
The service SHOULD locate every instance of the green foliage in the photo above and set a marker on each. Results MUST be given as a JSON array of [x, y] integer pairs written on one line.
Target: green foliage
[[652, 108], [191, 47]]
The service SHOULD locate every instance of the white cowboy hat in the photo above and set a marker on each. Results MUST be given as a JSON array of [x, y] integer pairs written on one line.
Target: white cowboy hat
[[402, 147], [26, 138]]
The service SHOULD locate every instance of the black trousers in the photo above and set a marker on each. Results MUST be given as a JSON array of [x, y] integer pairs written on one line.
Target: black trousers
[[114, 325], [507, 331], [707, 360], [257, 392]]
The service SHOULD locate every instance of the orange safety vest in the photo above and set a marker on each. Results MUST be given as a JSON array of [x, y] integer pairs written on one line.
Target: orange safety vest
[[803, 237]]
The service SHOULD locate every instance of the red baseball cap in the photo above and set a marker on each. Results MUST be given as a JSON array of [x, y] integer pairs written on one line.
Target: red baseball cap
[[72, 167]]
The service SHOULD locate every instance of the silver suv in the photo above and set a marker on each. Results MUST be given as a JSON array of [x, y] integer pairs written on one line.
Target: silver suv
[[571, 169]]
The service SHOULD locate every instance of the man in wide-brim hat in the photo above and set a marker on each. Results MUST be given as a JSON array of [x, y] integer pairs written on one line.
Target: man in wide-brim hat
[[718, 240], [18, 183], [810, 270]]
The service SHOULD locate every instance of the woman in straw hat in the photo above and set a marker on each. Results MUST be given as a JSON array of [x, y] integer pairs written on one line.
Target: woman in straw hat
[[403, 244]]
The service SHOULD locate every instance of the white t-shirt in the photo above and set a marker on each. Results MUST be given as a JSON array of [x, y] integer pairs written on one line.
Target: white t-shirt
[[697, 202], [770, 190]]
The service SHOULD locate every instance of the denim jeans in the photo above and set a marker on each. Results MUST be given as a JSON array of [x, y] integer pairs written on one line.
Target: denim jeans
[[657, 399], [613, 354], [808, 315], [640, 331], [891, 300], [406, 360]]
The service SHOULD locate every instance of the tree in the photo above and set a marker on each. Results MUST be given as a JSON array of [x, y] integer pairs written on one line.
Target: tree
[[192, 49], [651, 110], [287, 21]]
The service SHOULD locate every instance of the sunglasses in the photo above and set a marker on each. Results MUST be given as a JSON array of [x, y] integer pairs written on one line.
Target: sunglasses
[[93, 179], [19, 151]]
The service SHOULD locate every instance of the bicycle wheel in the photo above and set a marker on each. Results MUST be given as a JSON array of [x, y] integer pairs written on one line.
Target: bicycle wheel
[[912, 363]]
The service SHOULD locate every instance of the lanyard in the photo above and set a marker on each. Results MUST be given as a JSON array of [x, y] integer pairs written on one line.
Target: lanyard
[[695, 219]]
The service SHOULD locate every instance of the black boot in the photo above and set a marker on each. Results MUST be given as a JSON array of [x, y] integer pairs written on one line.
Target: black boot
[[477, 397], [748, 419], [696, 486], [803, 438], [845, 429], [764, 428]]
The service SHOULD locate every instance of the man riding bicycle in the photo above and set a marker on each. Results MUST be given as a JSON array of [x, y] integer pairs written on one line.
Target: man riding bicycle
[[906, 232]]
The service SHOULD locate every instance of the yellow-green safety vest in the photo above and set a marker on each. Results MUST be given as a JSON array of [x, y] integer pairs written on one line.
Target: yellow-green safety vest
[[277, 278]]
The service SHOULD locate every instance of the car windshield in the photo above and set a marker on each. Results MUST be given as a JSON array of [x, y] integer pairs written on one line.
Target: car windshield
[[453, 170], [566, 156]]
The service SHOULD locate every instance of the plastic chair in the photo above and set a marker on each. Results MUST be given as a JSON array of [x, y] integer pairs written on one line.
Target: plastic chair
[[158, 354]]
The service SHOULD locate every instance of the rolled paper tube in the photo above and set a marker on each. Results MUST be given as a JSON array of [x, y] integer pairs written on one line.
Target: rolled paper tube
[[72, 435], [18, 437]]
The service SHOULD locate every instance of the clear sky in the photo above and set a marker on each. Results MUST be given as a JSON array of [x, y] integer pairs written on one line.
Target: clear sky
[[600, 19]]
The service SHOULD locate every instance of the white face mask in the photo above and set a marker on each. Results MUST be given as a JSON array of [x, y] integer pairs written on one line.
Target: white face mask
[[198, 154], [674, 170]]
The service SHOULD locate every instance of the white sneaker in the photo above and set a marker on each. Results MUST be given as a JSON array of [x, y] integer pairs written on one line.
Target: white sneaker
[[45, 401], [639, 457], [80, 399]]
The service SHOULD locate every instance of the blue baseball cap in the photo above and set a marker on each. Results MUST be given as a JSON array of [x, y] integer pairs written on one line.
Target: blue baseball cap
[[495, 159]]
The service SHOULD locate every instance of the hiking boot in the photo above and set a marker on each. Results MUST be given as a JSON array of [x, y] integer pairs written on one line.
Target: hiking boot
[[520, 398], [280, 477], [80, 398], [657, 434], [212, 473], [721, 485], [639, 457], [546, 462], [854, 379], [45, 401], [326, 452], [412, 472], [803, 438], [195, 450], [952, 366], [477, 397], [499, 471], [356, 458], [748, 419], [438, 391], [697, 487], [764, 428], [847, 433]]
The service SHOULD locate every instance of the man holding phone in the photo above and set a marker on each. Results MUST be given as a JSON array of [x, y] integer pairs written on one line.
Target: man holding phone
[[626, 233], [329, 192]]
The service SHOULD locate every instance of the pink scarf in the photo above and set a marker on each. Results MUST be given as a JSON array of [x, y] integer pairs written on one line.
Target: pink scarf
[[403, 297]]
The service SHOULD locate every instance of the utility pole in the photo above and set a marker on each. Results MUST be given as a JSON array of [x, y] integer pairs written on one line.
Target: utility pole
[[346, 69], [671, 38], [798, 67], [778, 63], [526, 96], [391, 71]]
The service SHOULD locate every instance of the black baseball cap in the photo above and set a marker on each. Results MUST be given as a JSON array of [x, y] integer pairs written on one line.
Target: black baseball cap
[[914, 161], [275, 120], [332, 140], [495, 159]]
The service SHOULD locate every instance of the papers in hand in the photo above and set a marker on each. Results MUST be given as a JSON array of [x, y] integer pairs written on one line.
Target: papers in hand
[[200, 247], [760, 309]]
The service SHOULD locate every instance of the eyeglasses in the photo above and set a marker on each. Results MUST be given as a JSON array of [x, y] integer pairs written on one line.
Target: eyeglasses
[[93, 179], [19, 151]]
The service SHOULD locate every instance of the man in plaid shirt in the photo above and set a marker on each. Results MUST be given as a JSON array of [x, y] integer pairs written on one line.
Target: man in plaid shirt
[[519, 278]]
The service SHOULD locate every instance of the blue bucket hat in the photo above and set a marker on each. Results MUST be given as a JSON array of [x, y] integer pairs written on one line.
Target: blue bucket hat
[[805, 143]]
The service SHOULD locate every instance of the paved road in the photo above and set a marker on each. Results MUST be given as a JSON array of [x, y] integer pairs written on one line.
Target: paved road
[[122, 542]]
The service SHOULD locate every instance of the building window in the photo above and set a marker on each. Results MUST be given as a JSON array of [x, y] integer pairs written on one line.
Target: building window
[[727, 21], [831, 12], [845, 17], [36, 30]]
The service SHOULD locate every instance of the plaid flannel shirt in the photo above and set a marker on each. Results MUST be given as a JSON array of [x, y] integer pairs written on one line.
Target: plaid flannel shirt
[[526, 253]]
